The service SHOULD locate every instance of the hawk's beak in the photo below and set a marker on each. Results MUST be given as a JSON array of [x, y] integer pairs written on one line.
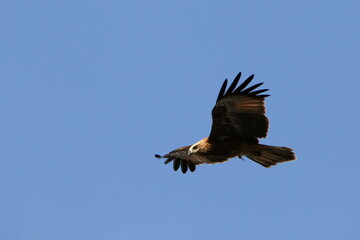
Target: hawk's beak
[[190, 153]]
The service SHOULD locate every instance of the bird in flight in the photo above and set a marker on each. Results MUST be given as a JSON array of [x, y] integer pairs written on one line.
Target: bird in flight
[[238, 121]]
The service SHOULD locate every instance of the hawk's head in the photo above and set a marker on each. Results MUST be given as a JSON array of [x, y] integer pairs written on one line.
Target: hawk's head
[[198, 147]]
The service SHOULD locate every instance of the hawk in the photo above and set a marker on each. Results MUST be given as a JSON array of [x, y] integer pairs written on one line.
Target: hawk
[[238, 121]]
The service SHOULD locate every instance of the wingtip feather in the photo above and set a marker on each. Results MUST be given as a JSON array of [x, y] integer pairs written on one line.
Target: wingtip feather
[[222, 90], [184, 167], [233, 85], [244, 84], [192, 166], [176, 164], [169, 160]]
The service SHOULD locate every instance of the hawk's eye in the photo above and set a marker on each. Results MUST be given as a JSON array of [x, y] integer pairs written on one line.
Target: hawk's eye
[[195, 147]]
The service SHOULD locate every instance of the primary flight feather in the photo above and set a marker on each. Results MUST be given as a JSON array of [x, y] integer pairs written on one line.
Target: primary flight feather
[[238, 121]]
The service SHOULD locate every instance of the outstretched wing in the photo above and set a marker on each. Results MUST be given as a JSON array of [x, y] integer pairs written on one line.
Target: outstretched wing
[[239, 113], [181, 158]]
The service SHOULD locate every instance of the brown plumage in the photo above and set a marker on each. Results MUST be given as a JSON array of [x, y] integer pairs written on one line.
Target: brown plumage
[[238, 122]]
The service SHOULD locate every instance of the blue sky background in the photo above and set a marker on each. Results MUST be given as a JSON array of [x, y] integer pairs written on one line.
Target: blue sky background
[[91, 90]]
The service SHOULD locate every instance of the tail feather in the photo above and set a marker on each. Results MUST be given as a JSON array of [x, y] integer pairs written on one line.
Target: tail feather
[[270, 155]]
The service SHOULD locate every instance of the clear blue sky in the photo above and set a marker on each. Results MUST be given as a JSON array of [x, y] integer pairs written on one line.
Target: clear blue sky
[[91, 90]]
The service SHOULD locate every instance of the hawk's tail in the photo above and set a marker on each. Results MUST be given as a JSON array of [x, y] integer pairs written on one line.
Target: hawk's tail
[[269, 155]]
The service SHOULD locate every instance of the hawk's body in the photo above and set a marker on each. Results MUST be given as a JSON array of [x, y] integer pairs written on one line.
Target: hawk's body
[[238, 121]]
